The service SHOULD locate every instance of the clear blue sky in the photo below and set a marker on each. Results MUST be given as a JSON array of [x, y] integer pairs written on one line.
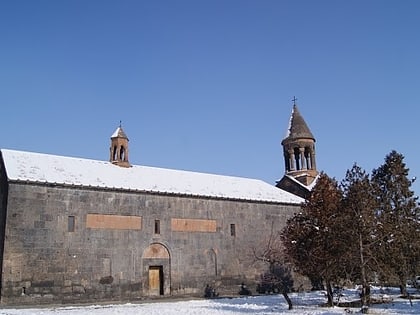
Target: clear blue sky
[[207, 85]]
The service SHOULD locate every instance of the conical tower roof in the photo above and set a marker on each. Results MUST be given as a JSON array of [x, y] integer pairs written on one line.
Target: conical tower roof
[[119, 133], [298, 129]]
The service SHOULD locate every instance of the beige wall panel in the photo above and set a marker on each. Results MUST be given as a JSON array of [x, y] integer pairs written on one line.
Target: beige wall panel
[[193, 225], [113, 222]]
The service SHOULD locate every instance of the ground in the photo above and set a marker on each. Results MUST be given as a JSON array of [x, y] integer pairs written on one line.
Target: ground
[[304, 303]]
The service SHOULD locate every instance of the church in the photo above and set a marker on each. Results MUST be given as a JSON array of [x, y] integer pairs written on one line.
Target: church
[[78, 230]]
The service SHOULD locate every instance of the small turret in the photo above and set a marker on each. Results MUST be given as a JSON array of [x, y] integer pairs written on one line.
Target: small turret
[[119, 148], [299, 156], [299, 149]]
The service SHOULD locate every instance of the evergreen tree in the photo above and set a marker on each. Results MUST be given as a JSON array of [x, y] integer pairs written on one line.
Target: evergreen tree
[[358, 224], [311, 240], [398, 215]]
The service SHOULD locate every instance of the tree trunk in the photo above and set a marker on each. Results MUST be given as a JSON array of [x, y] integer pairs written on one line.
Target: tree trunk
[[403, 289], [365, 295], [288, 300], [330, 297], [403, 286]]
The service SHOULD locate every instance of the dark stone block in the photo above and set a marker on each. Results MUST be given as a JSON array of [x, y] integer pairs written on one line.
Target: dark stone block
[[78, 289], [39, 224], [106, 280], [55, 269], [135, 286], [43, 284], [46, 217]]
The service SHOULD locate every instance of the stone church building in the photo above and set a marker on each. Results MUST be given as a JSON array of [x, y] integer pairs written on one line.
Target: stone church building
[[79, 230]]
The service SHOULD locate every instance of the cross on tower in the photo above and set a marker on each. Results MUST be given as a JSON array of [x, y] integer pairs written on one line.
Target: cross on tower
[[294, 100]]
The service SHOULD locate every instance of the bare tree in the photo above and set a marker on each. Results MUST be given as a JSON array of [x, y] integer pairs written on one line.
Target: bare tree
[[278, 277]]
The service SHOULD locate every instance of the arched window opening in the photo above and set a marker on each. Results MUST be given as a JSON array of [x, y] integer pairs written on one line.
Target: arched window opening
[[308, 158], [114, 153], [122, 153], [297, 159], [287, 161]]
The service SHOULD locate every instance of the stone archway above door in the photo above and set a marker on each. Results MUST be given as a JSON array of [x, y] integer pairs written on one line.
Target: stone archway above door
[[156, 251], [156, 270]]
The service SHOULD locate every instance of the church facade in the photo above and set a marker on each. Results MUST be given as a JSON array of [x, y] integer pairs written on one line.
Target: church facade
[[78, 230]]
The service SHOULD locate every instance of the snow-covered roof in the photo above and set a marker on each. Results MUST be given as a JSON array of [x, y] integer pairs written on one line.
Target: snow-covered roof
[[45, 168], [308, 187], [119, 132]]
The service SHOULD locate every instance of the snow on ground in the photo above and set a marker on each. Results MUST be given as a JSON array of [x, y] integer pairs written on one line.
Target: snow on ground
[[304, 303]]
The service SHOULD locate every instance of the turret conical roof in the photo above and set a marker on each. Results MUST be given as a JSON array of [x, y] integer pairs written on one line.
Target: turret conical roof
[[298, 128], [119, 133]]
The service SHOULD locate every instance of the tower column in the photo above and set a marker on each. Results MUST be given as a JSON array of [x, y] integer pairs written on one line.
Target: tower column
[[292, 160], [313, 164], [308, 159], [303, 164]]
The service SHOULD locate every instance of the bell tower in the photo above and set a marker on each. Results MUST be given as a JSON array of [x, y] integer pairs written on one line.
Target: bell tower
[[119, 148], [299, 155]]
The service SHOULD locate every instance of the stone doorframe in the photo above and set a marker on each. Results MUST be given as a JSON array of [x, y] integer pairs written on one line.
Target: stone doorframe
[[157, 255]]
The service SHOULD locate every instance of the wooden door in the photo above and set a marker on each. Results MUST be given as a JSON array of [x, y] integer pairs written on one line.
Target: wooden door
[[155, 280]]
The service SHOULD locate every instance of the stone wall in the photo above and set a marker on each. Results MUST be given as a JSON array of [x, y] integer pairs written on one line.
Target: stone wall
[[3, 208], [69, 244]]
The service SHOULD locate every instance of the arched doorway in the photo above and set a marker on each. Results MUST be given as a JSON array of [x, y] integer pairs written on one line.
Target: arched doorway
[[156, 264]]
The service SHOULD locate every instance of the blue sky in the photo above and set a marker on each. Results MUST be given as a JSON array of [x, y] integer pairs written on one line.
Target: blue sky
[[208, 85]]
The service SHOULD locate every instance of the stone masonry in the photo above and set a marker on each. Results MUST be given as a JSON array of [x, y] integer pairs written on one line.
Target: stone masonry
[[62, 244]]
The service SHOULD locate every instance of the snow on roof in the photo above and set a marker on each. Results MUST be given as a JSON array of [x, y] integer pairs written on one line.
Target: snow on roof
[[308, 187], [289, 127], [119, 132], [36, 167]]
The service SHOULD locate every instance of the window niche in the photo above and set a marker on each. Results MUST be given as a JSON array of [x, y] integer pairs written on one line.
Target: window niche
[[71, 223], [233, 230], [157, 226]]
